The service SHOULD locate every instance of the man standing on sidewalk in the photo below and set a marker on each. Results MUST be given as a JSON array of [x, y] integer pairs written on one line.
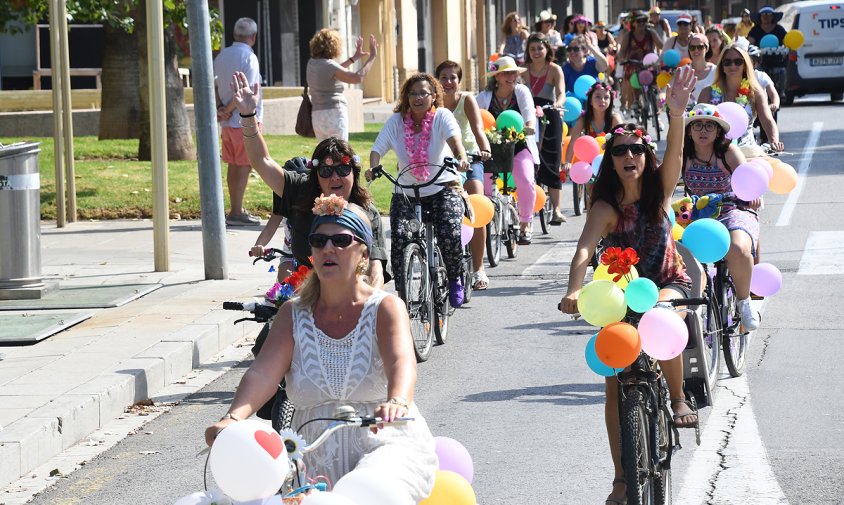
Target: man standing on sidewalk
[[238, 57]]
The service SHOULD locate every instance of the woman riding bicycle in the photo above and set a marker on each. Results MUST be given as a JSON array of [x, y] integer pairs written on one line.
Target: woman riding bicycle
[[420, 132], [634, 46], [630, 204], [708, 162], [584, 58], [342, 342]]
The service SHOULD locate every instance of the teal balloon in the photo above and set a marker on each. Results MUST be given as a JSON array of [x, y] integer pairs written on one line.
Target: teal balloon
[[595, 364], [573, 109], [768, 41], [510, 119], [707, 239], [641, 294], [582, 85], [672, 217]]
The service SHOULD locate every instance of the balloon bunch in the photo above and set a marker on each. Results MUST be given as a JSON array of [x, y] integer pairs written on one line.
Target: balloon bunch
[[453, 483], [588, 154]]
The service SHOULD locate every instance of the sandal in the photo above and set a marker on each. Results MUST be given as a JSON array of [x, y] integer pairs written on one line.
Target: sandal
[[677, 417], [616, 501], [479, 280]]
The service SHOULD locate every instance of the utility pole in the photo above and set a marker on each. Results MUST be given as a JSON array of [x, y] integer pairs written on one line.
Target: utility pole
[[158, 135]]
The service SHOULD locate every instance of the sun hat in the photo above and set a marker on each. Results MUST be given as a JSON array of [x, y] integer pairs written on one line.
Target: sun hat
[[546, 15], [705, 111], [582, 19], [503, 64], [767, 10], [640, 15], [684, 18], [655, 10], [699, 37]]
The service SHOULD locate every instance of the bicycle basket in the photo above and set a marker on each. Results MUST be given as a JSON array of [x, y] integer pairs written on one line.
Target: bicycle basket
[[502, 158]]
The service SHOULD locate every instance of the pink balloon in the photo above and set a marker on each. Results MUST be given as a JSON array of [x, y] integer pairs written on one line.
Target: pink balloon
[[454, 457], [581, 171], [736, 116], [765, 165], [766, 279], [749, 181], [646, 78], [649, 59], [466, 233], [586, 148], [664, 333]]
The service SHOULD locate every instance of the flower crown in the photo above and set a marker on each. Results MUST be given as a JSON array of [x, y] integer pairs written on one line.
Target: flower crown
[[331, 205], [704, 112], [646, 139], [346, 159]]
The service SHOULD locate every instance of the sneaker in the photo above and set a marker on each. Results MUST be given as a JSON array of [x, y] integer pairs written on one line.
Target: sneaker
[[525, 237], [242, 219], [749, 316], [455, 293]]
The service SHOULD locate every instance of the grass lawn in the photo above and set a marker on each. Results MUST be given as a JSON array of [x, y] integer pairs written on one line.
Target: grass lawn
[[112, 184]]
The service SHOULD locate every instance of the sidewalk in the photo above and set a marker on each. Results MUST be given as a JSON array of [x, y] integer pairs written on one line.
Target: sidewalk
[[56, 392]]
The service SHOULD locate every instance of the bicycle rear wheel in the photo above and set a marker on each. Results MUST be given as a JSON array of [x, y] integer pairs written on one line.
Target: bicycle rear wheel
[[636, 447], [735, 338], [512, 231], [467, 273], [545, 212], [493, 235], [577, 194], [442, 307], [417, 296]]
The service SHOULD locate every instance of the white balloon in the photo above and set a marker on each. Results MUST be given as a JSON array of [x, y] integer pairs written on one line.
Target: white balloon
[[328, 499], [368, 486], [205, 498]]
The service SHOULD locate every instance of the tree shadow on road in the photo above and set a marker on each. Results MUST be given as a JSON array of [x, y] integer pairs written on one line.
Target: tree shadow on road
[[569, 395]]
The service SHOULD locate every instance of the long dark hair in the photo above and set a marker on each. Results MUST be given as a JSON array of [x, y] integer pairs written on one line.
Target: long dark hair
[[589, 115], [336, 149], [609, 189]]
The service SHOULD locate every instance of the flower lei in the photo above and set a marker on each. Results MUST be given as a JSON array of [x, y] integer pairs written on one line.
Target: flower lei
[[345, 160], [646, 139], [417, 149], [331, 205], [282, 291], [742, 97], [619, 261]]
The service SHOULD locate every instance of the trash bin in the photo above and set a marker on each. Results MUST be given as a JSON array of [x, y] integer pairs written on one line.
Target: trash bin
[[20, 222]]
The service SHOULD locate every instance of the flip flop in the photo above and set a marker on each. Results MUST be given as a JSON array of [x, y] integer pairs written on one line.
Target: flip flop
[[480, 281], [677, 417], [616, 501]]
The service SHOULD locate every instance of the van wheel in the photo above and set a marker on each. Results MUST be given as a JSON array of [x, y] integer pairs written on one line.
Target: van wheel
[[789, 99], [837, 97]]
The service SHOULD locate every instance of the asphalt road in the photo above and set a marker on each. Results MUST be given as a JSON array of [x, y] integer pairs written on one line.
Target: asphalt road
[[511, 384]]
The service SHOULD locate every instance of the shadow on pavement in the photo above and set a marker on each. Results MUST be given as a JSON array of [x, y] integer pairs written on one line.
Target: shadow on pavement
[[561, 394]]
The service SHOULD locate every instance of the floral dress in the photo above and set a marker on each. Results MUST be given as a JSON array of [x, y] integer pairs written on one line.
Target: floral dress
[[743, 99]]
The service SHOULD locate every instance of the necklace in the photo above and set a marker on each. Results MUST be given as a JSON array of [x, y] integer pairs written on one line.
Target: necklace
[[707, 162]]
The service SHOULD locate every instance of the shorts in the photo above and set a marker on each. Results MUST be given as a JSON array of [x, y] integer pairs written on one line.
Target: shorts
[[475, 173], [683, 289], [233, 151]]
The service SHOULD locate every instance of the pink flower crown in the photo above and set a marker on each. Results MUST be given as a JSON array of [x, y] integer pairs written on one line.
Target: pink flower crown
[[344, 160], [646, 139], [331, 205]]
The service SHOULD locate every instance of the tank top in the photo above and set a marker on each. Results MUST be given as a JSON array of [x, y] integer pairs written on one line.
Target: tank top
[[540, 88], [466, 134], [638, 48], [514, 46], [604, 43], [593, 130]]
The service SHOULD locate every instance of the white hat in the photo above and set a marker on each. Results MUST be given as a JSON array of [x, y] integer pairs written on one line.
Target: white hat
[[546, 16], [684, 17], [706, 112], [503, 64]]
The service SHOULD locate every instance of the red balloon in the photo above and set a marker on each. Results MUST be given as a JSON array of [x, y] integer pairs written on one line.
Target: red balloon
[[586, 148]]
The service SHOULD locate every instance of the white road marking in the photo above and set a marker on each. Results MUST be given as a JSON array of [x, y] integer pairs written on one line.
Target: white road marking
[[554, 263], [824, 253], [802, 171]]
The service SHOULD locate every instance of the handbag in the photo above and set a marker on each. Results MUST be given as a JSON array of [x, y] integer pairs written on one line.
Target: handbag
[[304, 122]]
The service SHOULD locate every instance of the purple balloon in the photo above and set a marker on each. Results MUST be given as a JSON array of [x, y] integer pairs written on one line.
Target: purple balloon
[[765, 165], [664, 333], [466, 233], [646, 78], [766, 279], [736, 116], [749, 181], [649, 59], [581, 172], [454, 457]]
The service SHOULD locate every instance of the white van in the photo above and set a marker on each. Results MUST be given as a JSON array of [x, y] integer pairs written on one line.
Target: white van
[[819, 65]]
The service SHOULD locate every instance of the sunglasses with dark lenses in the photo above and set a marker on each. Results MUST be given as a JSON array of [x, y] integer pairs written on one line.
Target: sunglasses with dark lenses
[[696, 48], [683, 23], [340, 240], [325, 171], [728, 62], [574, 49], [622, 149]]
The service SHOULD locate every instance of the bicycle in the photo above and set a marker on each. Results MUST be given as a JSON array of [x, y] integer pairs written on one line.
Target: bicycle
[[547, 210], [646, 101], [504, 226]]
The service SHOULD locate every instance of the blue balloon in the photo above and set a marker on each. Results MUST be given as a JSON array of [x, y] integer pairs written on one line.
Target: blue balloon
[[573, 109], [641, 294], [582, 85], [595, 364], [768, 41], [707, 239], [596, 164], [671, 58], [672, 217]]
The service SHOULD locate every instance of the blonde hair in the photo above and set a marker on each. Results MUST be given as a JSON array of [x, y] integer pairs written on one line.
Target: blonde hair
[[749, 74], [326, 44]]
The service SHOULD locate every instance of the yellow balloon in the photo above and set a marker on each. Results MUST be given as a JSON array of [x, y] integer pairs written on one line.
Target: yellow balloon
[[602, 140], [565, 130], [677, 232], [602, 273], [793, 39], [784, 179], [601, 76], [662, 79], [499, 183], [450, 488], [601, 302], [483, 210], [541, 197]]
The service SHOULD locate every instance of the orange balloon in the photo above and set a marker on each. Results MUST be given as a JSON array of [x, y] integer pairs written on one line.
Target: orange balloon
[[483, 210], [493, 57], [488, 119], [618, 344], [784, 179], [663, 79], [566, 141], [685, 61], [541, 197]]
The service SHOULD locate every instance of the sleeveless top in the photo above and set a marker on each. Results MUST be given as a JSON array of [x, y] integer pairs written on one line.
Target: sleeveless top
[[659, 260], [684, 50], [593, 131], [514, 46], [540, 88], [604, 43], [469, 142], [638, 48], [495, 108]]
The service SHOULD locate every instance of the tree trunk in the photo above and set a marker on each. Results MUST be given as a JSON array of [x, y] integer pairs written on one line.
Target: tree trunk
[[179, 136], [120, 109]]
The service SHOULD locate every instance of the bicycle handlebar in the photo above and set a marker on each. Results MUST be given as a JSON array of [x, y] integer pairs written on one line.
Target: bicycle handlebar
[[262, 313], [448, 163], [269, 255], [352, 422]]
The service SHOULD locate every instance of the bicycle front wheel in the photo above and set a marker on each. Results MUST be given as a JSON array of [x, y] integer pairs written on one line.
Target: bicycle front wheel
[[735, 337], [577, 194], [468, 270], [636, 448], [442, 307], [282, 414], [652, 98], [545, 212], [493, 236], [416, 293]]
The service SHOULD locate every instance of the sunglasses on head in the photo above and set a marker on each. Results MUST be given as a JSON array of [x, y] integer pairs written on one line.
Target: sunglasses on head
[[340, 240], [325, 171], [623, 149], [729, 62], [696, 47]]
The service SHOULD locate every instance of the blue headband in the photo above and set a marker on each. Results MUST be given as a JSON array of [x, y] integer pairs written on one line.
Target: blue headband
[[349, 220]]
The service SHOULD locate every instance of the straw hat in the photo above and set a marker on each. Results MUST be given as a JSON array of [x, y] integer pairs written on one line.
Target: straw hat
[[707, 112], [503, 64]]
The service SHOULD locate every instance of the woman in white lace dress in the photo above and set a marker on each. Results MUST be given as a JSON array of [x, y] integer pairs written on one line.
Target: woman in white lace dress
[[341, 342]]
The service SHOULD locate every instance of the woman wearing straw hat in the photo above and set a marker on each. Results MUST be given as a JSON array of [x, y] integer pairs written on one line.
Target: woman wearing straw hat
[[546, 24], [766, 23]]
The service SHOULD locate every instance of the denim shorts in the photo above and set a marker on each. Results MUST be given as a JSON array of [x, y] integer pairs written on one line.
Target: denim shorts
[[475, 173]]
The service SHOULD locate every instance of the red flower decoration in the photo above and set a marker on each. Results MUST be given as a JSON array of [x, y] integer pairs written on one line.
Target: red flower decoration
[[619, 261], [296, 278], [345, 160], [639, 133]]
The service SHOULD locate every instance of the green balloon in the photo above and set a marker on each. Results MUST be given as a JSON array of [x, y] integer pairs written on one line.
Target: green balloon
[[509, 180], [634, 81], [601, 303], [641, 294], [510, 119]]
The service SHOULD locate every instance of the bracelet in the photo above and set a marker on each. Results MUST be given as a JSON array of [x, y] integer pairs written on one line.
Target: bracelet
[[250, 115], [229, 415], [398, 400], [675, 116]]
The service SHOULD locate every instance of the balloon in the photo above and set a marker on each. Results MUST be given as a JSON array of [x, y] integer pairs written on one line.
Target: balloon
[[601, 303], [707, 239], [582, 85], [565, 129], [663, 79], [248, 461], [634, 81], [618, 345], [327, 499], [650, 59], [371, 486], [488, 119], [672, 218], [596, 164], [493, 57], [671, 58], [784, 179], [566, 141], [793, 39], [450, 488], [483, 210], [677, 232], [573, 108], [580, 172], [586, 148], [749, 181], [766, 279], [567, 38], [646, 77], [541, 197], [664, 333], [602, 141], [594, 363], [204, 498], [768, 41], [761, 162], [466, 233], [736, 116], [602, 274], [641, 294], [685, 61], [510, 119], [601, 76], [454, 457]]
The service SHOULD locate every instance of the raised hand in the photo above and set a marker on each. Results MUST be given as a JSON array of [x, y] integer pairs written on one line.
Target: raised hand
[[359, 52], [680, 89], [245, 96], [373, 47]]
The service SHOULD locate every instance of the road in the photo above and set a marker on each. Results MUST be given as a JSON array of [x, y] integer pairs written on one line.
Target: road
[[511, 384]]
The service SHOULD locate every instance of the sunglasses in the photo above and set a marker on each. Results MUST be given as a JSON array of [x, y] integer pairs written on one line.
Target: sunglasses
[[704, 125], [696, 48], [325, 171], [574, 49], [728, 62], [683, 23], [623, 149], [340, 240]]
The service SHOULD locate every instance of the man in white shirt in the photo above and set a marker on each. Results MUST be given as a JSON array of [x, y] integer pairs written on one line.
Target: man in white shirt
[[238, 57]]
